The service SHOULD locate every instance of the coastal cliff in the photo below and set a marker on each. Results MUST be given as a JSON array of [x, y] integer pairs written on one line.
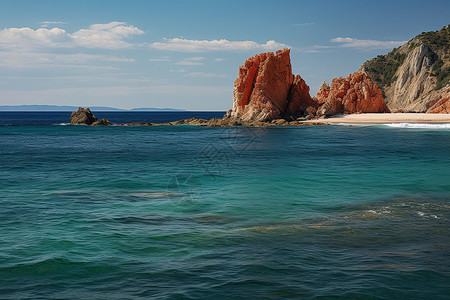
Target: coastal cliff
[[266, 89], [412, 78], [416, 76]]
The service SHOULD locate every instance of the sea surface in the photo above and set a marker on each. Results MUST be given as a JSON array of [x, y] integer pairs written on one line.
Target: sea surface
[[186, 212]]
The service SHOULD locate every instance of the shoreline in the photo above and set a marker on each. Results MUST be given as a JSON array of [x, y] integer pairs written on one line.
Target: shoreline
[[85, 117], [383, 118]]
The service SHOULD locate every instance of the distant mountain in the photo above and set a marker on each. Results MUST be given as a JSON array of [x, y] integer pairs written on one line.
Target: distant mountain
[[416, 76], [73, 108], [156, 109]]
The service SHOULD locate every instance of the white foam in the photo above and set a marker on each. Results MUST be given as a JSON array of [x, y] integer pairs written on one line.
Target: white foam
[[419, 125]]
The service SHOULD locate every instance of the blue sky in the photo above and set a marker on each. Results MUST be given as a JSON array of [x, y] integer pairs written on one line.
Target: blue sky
[[186, 54]]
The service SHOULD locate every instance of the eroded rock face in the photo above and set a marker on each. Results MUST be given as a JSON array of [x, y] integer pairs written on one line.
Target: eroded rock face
[[440, 103], [355, 94], [83, 116], [413, 81], [266, 90], [441, 107], [322, 94], [413, 75]]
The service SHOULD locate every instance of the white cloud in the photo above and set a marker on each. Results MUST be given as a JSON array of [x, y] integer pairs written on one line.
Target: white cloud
[[178, 71], [47, 23], [366, 44], [191, 61], [53, 22], [159, 59], [29, 38], [311, 51], [202, 74], [219, 59], [21, 59], [109, 36], [185, 45]]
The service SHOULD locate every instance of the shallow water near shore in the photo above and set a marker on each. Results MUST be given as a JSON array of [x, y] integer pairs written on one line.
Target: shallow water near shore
[[179, 212]]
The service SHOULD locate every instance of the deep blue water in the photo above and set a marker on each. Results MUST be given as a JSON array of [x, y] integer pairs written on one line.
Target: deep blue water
[[229, 213]]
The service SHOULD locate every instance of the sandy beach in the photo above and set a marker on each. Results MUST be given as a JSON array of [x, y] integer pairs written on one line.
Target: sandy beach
[[379, 118]]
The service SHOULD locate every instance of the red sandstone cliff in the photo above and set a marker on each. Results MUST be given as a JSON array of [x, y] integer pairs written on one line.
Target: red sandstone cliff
[[355, 94], [440, 101], [266, 89]]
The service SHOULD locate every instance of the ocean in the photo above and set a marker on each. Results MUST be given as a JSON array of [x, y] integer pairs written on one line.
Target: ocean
[[186, 212]]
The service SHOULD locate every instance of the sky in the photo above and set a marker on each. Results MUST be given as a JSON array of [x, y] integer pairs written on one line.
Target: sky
[[186, 54]]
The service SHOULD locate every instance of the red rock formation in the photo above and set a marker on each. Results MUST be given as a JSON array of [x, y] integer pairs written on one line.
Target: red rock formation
[[322, 94], [264, 90], [440, 103], [355, 94], [440, 107]]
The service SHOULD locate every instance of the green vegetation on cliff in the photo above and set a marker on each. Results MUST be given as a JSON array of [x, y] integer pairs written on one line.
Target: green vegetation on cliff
[[439, 43], [382, 69]]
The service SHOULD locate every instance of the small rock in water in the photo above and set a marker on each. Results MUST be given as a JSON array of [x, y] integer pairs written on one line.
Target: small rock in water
[[83, 116], [102, 122]]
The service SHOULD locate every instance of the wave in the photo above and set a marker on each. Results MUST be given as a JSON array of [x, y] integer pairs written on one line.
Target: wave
[[418, 125]]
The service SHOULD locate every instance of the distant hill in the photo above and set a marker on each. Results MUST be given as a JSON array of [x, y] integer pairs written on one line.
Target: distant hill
[[416, 75], [73, 108], [156, 109]]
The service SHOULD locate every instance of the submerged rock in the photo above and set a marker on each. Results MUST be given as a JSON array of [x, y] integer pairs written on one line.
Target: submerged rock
[[83, 116]]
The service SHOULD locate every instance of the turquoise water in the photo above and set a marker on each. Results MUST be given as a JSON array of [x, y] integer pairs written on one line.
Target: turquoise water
[[230, 213]]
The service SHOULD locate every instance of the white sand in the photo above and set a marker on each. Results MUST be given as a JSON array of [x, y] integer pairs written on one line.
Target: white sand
[[385, 118]]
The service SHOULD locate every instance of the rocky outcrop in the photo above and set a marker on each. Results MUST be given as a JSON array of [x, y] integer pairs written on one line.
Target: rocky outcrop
[[83, 116], [355, 94], [266, 89], [102, 122], [413, 76], [441, 107], [322, 94], [440, 102], [228, 122], [412, 80]]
